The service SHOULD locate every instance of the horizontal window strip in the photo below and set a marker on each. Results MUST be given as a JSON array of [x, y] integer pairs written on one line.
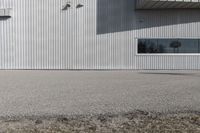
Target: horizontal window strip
[[168, 46]]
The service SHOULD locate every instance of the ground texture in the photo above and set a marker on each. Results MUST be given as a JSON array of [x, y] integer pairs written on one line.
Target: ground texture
[[134, 122], [27, 93], [71, 101]]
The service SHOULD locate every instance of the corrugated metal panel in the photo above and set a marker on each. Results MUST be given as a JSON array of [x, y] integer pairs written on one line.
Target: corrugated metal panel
[[100, 35]]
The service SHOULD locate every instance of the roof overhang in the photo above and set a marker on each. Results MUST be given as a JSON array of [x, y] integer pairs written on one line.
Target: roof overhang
[[167, 4]]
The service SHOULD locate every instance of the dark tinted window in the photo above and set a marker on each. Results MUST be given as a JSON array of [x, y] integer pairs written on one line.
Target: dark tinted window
[[146, 46]]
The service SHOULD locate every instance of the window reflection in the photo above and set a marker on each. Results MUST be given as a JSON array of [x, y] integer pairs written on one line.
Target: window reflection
[[168, 46]]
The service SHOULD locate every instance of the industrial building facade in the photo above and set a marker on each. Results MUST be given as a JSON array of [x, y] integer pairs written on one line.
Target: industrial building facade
[[99, 34]]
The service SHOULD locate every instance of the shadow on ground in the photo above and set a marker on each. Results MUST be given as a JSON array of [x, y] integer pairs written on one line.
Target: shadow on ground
[[170, 73]]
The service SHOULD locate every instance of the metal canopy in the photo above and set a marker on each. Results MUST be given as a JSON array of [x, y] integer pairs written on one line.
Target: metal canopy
[[166, 4]]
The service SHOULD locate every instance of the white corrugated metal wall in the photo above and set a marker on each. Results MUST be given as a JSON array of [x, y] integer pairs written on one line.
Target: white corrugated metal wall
[[100, 35]]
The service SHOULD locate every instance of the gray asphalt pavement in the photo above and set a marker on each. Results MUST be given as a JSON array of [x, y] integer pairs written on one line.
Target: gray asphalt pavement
[[83, 92]]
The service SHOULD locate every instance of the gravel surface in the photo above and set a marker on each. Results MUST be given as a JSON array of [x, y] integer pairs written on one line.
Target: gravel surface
[[133, 122], [26, 93], [72, 101]]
